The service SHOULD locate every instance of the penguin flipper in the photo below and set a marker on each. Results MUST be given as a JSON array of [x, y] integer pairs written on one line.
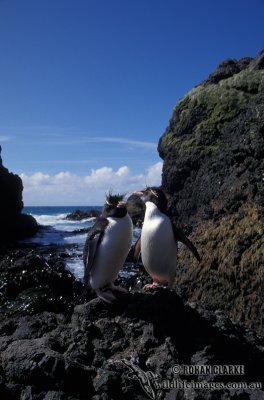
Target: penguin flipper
[[180, 235], [94, 238]]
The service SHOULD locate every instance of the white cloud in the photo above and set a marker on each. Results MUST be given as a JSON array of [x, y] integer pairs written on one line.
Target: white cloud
[[5, 138], [116, 140], [36, 179], [137, 143], [66, 188], [154, 171]]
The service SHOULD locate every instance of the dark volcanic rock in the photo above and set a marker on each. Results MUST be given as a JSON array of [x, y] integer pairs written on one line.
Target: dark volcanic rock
[[30, 284], [78, 215], [13, 224], [258, 62], [51, 348], [213, 151], [102, 351], [136, 209], [227, 69]]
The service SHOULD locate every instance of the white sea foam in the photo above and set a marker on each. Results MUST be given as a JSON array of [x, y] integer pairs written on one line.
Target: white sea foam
[[78, 239], [136, 234], [75, 265], [60, 221], [50, 220]]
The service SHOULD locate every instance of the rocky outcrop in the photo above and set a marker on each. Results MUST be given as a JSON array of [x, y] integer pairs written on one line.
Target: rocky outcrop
[[13, 224], [79, 215], [136, 209], [213, 151], [51, 348], [31, 283]]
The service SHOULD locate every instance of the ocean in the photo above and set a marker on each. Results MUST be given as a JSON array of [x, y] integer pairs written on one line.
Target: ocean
[[62, 235], [61, 232]]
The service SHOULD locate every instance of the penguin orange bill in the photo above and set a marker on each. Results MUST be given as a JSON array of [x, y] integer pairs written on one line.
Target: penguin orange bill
[[138, 194], [121, 204]]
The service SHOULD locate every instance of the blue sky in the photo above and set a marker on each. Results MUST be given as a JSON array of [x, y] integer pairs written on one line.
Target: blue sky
[[88, 86]]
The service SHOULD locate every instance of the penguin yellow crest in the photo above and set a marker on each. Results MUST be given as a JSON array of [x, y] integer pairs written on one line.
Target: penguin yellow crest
[[154, 193]]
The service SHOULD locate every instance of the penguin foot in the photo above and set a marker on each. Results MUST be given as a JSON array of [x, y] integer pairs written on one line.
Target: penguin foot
[[106, 295], [152, 285], [159, 284], [117, 288]]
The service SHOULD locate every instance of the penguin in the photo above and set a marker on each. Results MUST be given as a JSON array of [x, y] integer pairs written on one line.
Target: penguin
[[159, 237], [106, 248]]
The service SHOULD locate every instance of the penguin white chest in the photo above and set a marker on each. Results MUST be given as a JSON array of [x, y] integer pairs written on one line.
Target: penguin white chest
[[158, 245], [112, 251]]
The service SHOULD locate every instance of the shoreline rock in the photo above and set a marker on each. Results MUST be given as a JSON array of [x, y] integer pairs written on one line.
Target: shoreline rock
[[135, 207], [136, 210], [79, 215], [13, 224], [54, 348], [29, 281]]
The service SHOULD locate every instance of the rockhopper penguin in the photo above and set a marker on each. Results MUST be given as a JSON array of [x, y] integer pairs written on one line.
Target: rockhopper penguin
[[159, 237], [106, 248]]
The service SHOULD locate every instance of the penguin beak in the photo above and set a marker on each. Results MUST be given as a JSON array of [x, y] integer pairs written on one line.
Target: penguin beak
[[138, 194], [121, 204]]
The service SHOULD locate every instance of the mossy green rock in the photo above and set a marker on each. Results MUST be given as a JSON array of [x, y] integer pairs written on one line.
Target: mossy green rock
[[213, 151]]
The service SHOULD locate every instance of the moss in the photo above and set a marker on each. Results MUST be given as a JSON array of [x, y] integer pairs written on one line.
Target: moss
[[214, 148], [208, 110], [221, 102], [248, 81], [169, 140], [188, 145], [191, 145], [260, 188], [232, 251]]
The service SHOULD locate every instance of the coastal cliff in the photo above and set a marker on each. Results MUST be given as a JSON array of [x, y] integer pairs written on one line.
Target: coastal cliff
[[213, 173], [13, 224]]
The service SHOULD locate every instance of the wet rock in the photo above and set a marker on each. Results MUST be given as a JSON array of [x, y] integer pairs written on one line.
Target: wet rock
[[97, 350], [79, 215], [30, 284], [54, 395], [136, 209]]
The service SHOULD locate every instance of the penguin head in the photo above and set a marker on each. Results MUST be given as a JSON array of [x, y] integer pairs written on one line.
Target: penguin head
[[114, 206], [154, 195]]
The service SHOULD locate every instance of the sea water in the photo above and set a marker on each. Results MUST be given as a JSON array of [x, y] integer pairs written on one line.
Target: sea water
[[63, 233]]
